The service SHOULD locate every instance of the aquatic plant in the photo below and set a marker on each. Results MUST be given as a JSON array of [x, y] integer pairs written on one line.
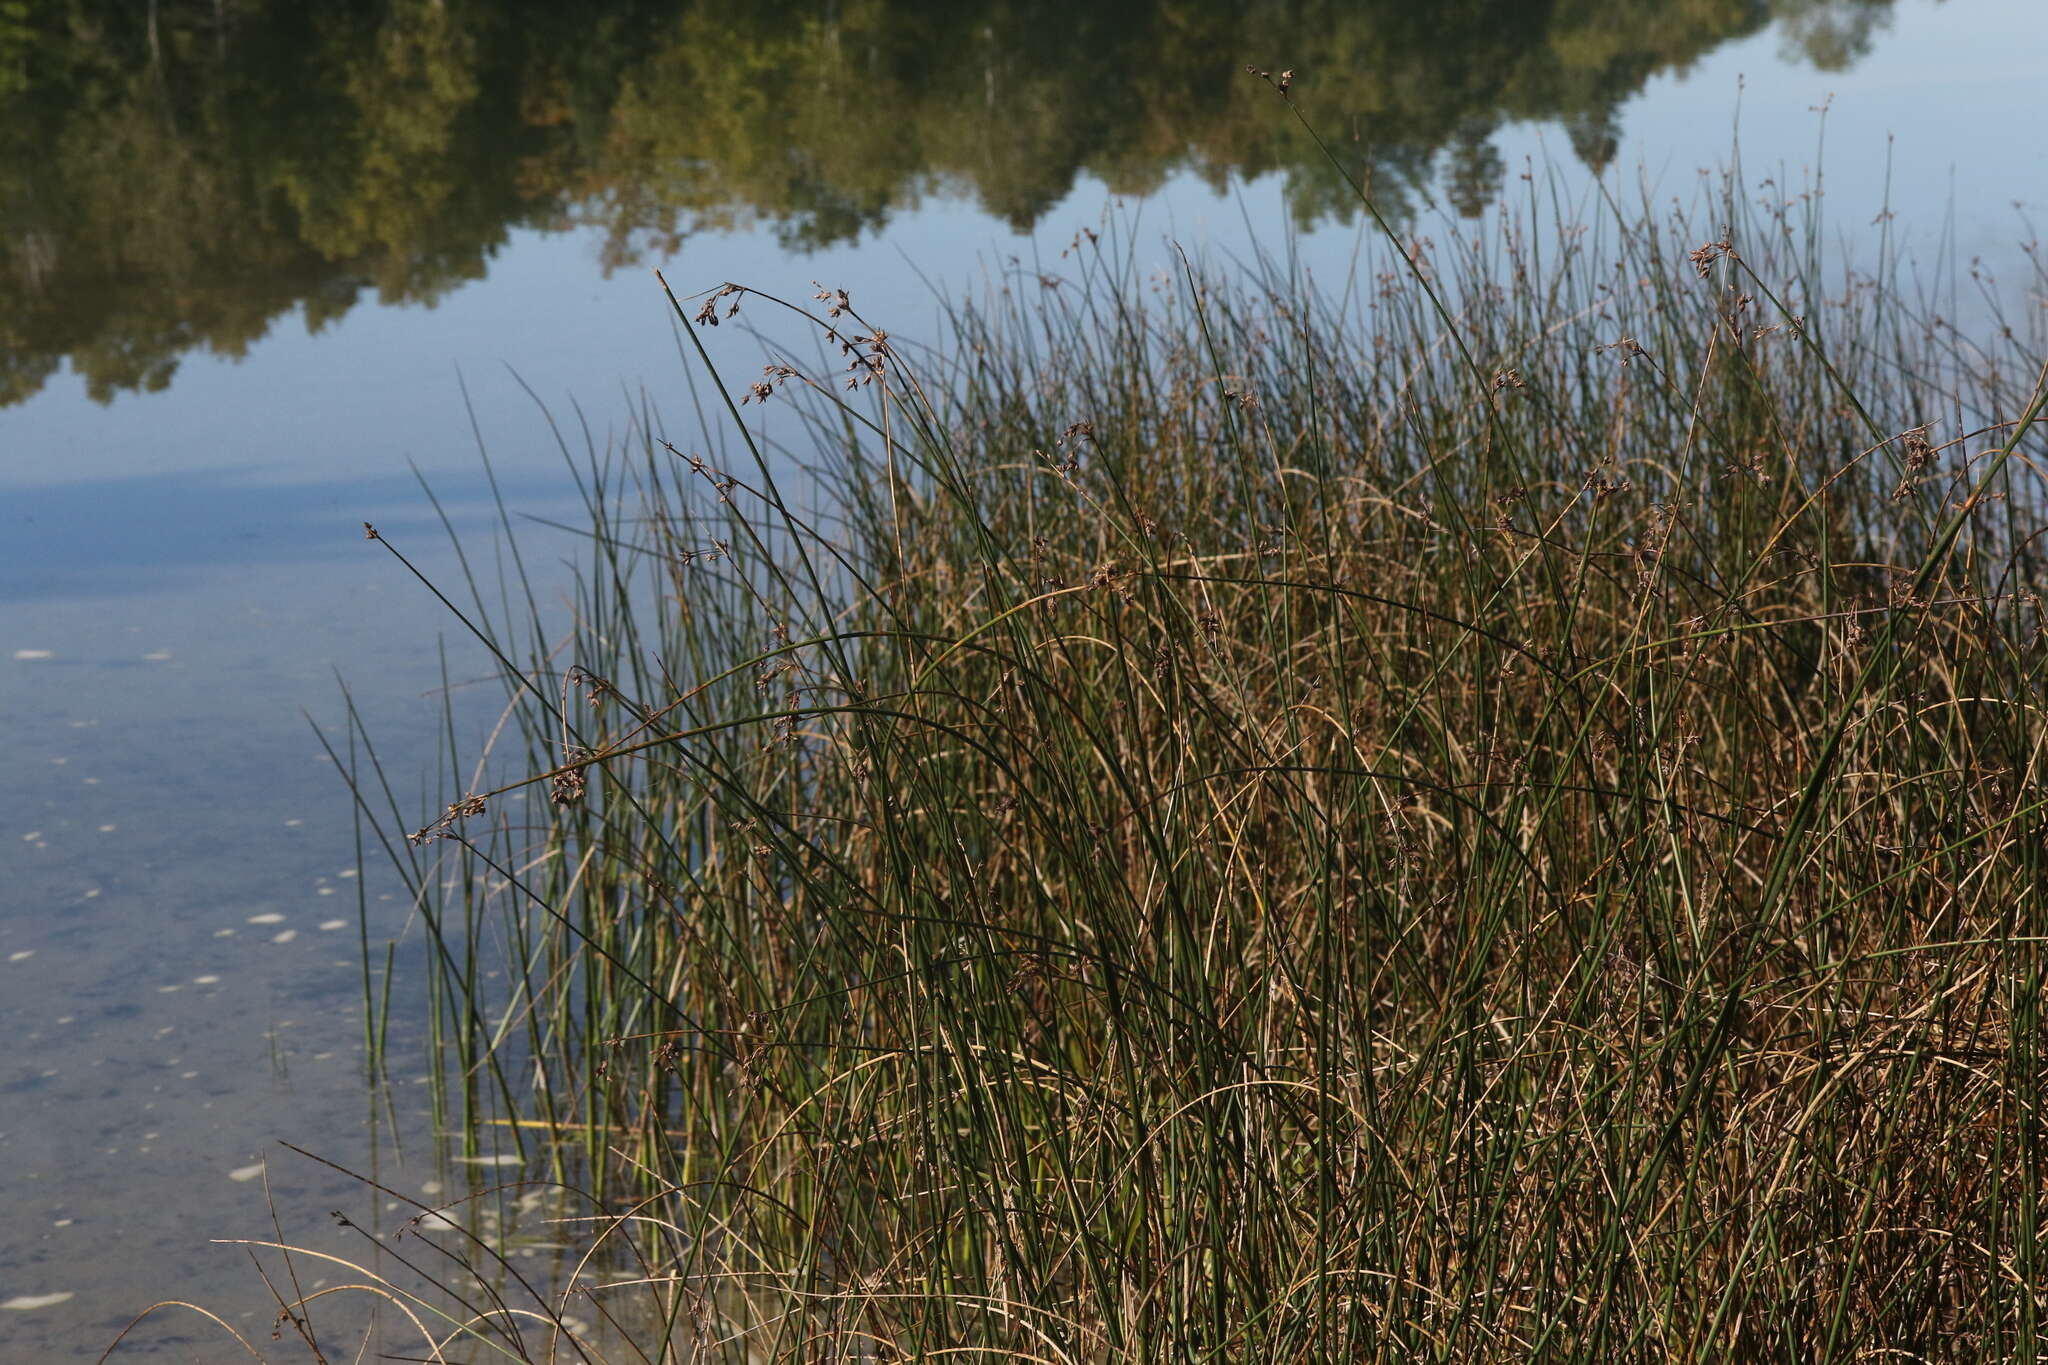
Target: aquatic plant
[[1489, 812]]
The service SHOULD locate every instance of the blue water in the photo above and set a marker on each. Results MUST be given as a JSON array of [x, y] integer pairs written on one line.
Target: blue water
[[182, 572]]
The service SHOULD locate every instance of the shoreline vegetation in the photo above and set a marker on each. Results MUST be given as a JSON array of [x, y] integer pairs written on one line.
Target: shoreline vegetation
[[1486, 811]]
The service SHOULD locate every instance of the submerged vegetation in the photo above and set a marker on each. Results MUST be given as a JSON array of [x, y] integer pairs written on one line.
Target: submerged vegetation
[[1488, 812]]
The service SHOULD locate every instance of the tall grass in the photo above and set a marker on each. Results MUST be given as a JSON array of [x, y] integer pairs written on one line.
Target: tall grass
[[1489, 812]]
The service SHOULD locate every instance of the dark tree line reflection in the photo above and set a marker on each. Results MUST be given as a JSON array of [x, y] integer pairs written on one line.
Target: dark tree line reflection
[[178, 174]]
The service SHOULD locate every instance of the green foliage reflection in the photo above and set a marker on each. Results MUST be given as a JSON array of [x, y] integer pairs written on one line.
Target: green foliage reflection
[[179, 174]]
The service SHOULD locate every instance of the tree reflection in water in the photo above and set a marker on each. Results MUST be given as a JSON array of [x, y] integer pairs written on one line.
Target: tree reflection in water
[[179, 175]]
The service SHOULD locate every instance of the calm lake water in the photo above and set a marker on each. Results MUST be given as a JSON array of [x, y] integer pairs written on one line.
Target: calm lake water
[[251, 253]]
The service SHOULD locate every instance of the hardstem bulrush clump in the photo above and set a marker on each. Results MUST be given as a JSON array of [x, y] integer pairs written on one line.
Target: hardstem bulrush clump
[[1492, 816]]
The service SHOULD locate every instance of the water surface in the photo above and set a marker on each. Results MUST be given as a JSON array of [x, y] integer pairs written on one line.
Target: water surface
[[253, 255]]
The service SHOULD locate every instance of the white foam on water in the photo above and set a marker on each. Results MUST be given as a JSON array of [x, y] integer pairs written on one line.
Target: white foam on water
[[242, 1175], [24, 955], [157, 655], [25, 655], [330, 925], [28, 1303], [285, 937], [506, 1159], [207, 980], [267, 917]]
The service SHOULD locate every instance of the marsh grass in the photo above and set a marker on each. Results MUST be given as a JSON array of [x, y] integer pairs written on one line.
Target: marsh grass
[[1489, 811]]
